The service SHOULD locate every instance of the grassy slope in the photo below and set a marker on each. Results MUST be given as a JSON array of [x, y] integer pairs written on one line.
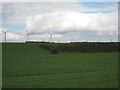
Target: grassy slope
[[20, 59]]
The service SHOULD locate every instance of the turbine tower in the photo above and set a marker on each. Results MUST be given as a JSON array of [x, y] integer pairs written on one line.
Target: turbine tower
[[27, 34], [99, 40], [50, 37], [5, 35], [111, 40]]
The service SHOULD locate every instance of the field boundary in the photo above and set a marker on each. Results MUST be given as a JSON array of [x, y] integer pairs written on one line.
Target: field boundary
[[39, 74]]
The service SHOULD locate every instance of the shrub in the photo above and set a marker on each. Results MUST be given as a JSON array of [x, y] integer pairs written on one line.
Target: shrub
[[54, 50]]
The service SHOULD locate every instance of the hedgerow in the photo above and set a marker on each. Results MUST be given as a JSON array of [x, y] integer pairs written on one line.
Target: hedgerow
[[80, 47]]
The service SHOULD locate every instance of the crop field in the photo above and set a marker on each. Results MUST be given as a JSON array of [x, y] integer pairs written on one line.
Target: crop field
[[27, 65]]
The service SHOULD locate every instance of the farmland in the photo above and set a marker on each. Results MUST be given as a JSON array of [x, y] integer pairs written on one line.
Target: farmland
[[31, 65]]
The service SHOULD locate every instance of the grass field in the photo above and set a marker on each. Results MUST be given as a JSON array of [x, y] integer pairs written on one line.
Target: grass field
[[29, 66]]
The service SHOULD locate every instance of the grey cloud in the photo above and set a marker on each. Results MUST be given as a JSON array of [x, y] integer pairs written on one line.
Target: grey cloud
[[17, 12]]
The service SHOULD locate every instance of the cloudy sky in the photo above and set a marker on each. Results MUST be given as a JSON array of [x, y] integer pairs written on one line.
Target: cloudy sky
[[67, 21]]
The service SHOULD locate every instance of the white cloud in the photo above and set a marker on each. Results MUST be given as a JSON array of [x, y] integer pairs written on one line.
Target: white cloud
[[12, 36], [70, 20], [18, 12]]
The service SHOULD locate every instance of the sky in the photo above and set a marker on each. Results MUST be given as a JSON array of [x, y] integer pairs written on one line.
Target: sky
[[67, 21]]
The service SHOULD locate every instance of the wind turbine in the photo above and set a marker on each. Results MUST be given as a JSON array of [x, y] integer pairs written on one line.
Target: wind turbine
[[42, 39], [5, 35], [111, 40], [0, 36], [50, 37], [25, 37], [58, 40], [28, 34], [99, 40]]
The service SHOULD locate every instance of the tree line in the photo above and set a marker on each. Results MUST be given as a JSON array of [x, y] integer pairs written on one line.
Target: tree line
[[80, 47]]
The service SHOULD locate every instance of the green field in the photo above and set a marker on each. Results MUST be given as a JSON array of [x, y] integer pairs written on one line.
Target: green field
[[29, 66]]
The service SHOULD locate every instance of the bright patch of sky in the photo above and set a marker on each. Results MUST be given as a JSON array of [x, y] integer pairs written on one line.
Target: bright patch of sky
[[99, 12], [15, 27], [93, 4]]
